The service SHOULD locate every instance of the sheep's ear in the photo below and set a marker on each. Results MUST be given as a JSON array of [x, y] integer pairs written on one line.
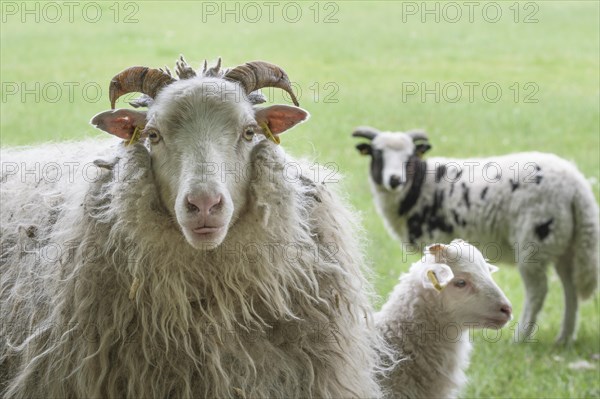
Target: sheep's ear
[[421, 141], [436, 276], [120, 122], [364, 149], [493, 269], [280, 118], [421, 149]]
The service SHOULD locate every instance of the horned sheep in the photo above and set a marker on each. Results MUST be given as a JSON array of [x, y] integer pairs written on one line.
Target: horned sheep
[[183, 259], [430, 317], [531, 209]]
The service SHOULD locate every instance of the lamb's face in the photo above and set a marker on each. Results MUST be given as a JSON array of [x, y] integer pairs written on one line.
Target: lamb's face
[[394, 158], [389, 159], [471, 297]]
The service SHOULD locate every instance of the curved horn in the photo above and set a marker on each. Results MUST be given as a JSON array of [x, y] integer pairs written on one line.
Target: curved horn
[[366, 132], [418, 135], [258, 74], [138, 79]]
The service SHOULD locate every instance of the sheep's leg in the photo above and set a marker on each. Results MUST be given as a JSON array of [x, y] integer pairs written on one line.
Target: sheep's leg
[[536, 287], [564, 269]]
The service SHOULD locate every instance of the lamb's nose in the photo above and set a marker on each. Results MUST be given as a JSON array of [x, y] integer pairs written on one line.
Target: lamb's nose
[[507, 310], [203, 204], [395, 181]]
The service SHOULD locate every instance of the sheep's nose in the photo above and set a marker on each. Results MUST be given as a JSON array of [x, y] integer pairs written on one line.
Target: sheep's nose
[[203, 204], [507, 310], [395, 181]]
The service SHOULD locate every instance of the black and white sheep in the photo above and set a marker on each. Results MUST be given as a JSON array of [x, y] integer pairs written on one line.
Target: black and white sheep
[[430, 317], [531, 209], [186, 261]]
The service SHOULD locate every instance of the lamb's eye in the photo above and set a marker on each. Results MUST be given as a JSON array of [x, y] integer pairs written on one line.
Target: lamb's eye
[[460, 283], [153, 135], [248, 133]]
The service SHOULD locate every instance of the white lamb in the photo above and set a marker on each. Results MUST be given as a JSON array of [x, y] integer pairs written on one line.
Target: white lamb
[[429, 317], [531, 209]]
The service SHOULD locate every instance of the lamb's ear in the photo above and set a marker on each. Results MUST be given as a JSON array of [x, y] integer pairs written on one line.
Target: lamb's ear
[[436, 275], [364, 148], [421, 149], [280, 118], [120, 122], [493, 269], [421, 141]]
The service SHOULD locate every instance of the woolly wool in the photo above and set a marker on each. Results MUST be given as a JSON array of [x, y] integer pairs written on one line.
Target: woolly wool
[[434, 363], [432, 327], [531, 209], [280, 309]]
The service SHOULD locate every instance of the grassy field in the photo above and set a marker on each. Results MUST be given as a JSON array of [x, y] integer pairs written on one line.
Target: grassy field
[[533, 69]]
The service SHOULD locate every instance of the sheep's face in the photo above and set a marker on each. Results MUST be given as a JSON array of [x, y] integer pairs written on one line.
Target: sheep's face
[[394, 159], [200, 133], [201, 156], [470, 296]]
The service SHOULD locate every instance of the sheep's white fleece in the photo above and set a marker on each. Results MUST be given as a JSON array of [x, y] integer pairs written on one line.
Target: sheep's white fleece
[[531, 209], [436, 355], [499, 204], [280, 309]]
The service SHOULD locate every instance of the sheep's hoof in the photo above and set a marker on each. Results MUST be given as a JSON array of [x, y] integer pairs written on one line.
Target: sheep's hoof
[[564, 340]]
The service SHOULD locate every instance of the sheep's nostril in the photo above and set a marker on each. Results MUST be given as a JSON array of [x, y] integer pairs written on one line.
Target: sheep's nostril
[[216, 205], [204, 204], [394, 181], [506, 309], [191, 207]]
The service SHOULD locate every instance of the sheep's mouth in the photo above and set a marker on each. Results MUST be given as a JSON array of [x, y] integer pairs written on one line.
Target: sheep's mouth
[[205, 234], [205, 230], [205, 237], [495, 323]]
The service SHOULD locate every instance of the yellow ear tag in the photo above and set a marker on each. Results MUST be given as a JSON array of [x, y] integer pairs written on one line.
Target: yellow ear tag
[[136, 135], [433, 279], [269, 134]]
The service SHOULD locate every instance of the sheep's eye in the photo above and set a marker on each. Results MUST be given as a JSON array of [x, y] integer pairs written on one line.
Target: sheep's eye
[[460, 283], [248, 133], [153, 136]]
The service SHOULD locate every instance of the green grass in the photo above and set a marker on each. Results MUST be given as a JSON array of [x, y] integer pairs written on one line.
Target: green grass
[[371, 55]]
